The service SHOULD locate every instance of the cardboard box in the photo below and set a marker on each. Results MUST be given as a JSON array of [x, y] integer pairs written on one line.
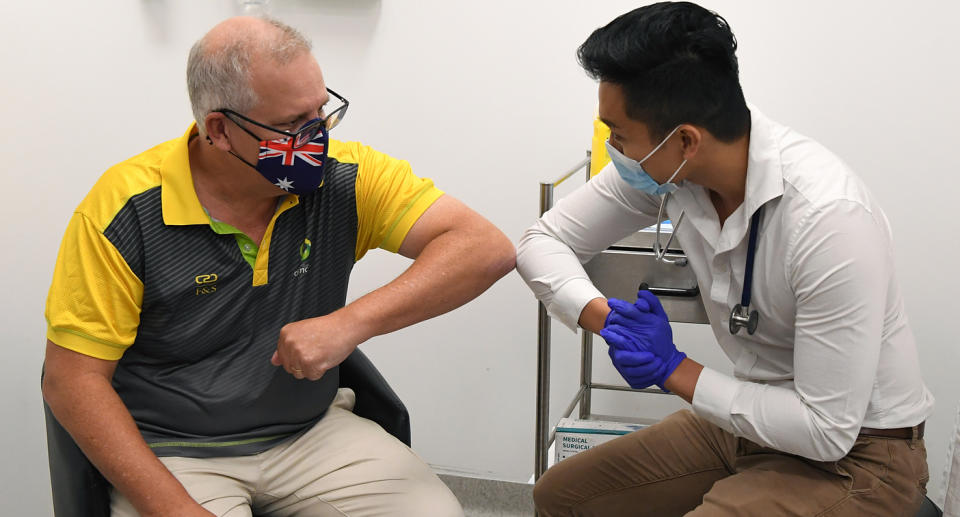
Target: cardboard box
[[575, 436]]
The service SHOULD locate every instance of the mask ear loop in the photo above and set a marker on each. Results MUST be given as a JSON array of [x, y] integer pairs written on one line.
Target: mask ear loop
[[247, 131], [254, 167], [657, 148], [674, 175], [210, 142]]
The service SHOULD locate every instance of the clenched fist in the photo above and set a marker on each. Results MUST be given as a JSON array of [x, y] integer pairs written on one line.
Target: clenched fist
[[308, 348]]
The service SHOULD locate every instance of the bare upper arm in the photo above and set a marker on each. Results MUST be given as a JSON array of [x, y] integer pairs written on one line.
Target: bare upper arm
[[62, 364], [445, 214]]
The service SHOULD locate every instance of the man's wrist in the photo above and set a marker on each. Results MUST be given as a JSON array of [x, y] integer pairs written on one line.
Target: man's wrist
[[593, 317], [683, 380], [359, 324], [671, 366]]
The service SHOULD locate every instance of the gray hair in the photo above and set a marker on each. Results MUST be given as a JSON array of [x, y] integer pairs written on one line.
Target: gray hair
[[220, 77]]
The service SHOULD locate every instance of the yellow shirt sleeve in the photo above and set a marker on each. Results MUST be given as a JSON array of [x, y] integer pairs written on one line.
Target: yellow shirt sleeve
[[390, 199], [93, 306]]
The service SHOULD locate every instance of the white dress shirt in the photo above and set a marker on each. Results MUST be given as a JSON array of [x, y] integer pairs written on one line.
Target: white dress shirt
[[833, 351]]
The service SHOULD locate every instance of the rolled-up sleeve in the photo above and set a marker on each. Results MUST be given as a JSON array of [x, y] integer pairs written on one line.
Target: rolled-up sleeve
[[552, 252]]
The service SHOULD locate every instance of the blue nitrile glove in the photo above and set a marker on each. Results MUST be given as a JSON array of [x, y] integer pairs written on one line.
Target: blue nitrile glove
[[646, 325], [639, 368]]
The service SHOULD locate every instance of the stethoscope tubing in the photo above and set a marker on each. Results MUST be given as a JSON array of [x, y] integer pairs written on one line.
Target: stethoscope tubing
[[740, 316]]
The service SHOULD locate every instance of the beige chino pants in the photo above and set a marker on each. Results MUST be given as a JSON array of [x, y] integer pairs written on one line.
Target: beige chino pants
[[344, 466], [685, 465]]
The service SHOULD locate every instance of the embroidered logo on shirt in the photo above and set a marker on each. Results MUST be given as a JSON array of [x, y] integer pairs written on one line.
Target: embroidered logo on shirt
[[205, 284], [305, 250], [304, 267]]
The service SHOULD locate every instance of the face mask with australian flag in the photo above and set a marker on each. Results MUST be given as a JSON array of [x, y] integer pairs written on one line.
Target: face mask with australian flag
[[296, 170]]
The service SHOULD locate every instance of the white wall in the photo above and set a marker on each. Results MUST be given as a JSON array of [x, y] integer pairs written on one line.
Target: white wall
[[487, 99]]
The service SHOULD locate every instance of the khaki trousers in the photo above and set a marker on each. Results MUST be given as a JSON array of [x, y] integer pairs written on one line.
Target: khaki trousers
[[685, 465], [343, 466]]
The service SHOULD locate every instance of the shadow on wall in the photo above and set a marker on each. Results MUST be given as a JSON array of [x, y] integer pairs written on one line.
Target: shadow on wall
[[350, 20], [158, 12], [344, 27]]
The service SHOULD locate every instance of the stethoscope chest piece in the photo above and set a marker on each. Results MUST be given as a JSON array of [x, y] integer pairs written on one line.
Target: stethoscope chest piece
[[743, 317]]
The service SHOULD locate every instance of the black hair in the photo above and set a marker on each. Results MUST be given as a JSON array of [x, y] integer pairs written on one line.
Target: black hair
[[676, 64]]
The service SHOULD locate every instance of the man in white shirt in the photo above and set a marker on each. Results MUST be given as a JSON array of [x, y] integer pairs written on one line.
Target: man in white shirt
[[825, 412]]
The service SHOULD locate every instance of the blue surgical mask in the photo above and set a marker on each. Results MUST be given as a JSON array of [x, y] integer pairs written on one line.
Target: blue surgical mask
[[632, 170]]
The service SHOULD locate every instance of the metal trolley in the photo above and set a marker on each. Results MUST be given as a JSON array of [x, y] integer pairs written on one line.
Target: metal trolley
[[617, 272]]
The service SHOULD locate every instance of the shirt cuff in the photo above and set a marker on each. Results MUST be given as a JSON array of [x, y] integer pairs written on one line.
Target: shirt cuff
[[569, 301], [713, 398], [410, 215], [84, 344]]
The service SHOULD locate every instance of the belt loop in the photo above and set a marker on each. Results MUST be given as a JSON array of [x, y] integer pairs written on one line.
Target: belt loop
[[915, 431]]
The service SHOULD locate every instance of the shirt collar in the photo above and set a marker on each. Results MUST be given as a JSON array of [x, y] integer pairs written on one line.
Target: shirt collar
[[764, 170], [764, 182], [178, 197], [180, 203]]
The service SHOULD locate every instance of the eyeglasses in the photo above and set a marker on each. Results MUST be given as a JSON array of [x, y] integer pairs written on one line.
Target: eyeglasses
[[308, 131]]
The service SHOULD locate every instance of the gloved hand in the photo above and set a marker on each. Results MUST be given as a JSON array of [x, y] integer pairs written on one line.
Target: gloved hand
[[643, 327], [639, 368]]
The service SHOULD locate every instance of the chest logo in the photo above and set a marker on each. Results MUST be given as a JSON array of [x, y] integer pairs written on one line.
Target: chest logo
[[305, 250], [205, 284]]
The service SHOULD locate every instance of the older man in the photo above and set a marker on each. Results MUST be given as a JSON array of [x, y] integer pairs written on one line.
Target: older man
[[197, 318]]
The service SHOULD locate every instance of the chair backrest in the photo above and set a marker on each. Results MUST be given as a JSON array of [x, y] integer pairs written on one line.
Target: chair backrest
[[79, 490], [929, 509], [376, 400]]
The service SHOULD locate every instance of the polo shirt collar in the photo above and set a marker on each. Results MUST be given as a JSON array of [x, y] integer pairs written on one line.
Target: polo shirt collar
[[178, 197]]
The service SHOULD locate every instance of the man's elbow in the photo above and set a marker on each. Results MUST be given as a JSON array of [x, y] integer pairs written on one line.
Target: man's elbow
[[531, 235], [503, 257], [57, 387], [68, 375], [828, 455], [834, 445], [51, 387], [45, 389]]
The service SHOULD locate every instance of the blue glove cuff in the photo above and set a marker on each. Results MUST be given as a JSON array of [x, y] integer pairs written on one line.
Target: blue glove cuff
[[606, 321], [671, 365]]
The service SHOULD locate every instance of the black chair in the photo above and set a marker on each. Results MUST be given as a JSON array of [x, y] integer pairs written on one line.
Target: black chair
[[79, 490], [929, 509]]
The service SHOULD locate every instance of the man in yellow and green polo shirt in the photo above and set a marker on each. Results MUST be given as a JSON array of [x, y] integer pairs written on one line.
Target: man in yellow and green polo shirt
[[197, 313]]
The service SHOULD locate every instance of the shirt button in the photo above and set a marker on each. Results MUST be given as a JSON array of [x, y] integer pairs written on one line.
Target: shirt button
[[246, 247]]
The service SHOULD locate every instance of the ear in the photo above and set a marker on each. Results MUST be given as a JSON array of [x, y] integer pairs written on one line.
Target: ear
[[216, 125], [691, 138]]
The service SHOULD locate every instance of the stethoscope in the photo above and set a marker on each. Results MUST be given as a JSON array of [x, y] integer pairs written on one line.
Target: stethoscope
[[740, 316]]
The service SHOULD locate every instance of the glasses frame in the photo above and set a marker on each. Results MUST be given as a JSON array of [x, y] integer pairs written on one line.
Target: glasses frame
[[307, 132]]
